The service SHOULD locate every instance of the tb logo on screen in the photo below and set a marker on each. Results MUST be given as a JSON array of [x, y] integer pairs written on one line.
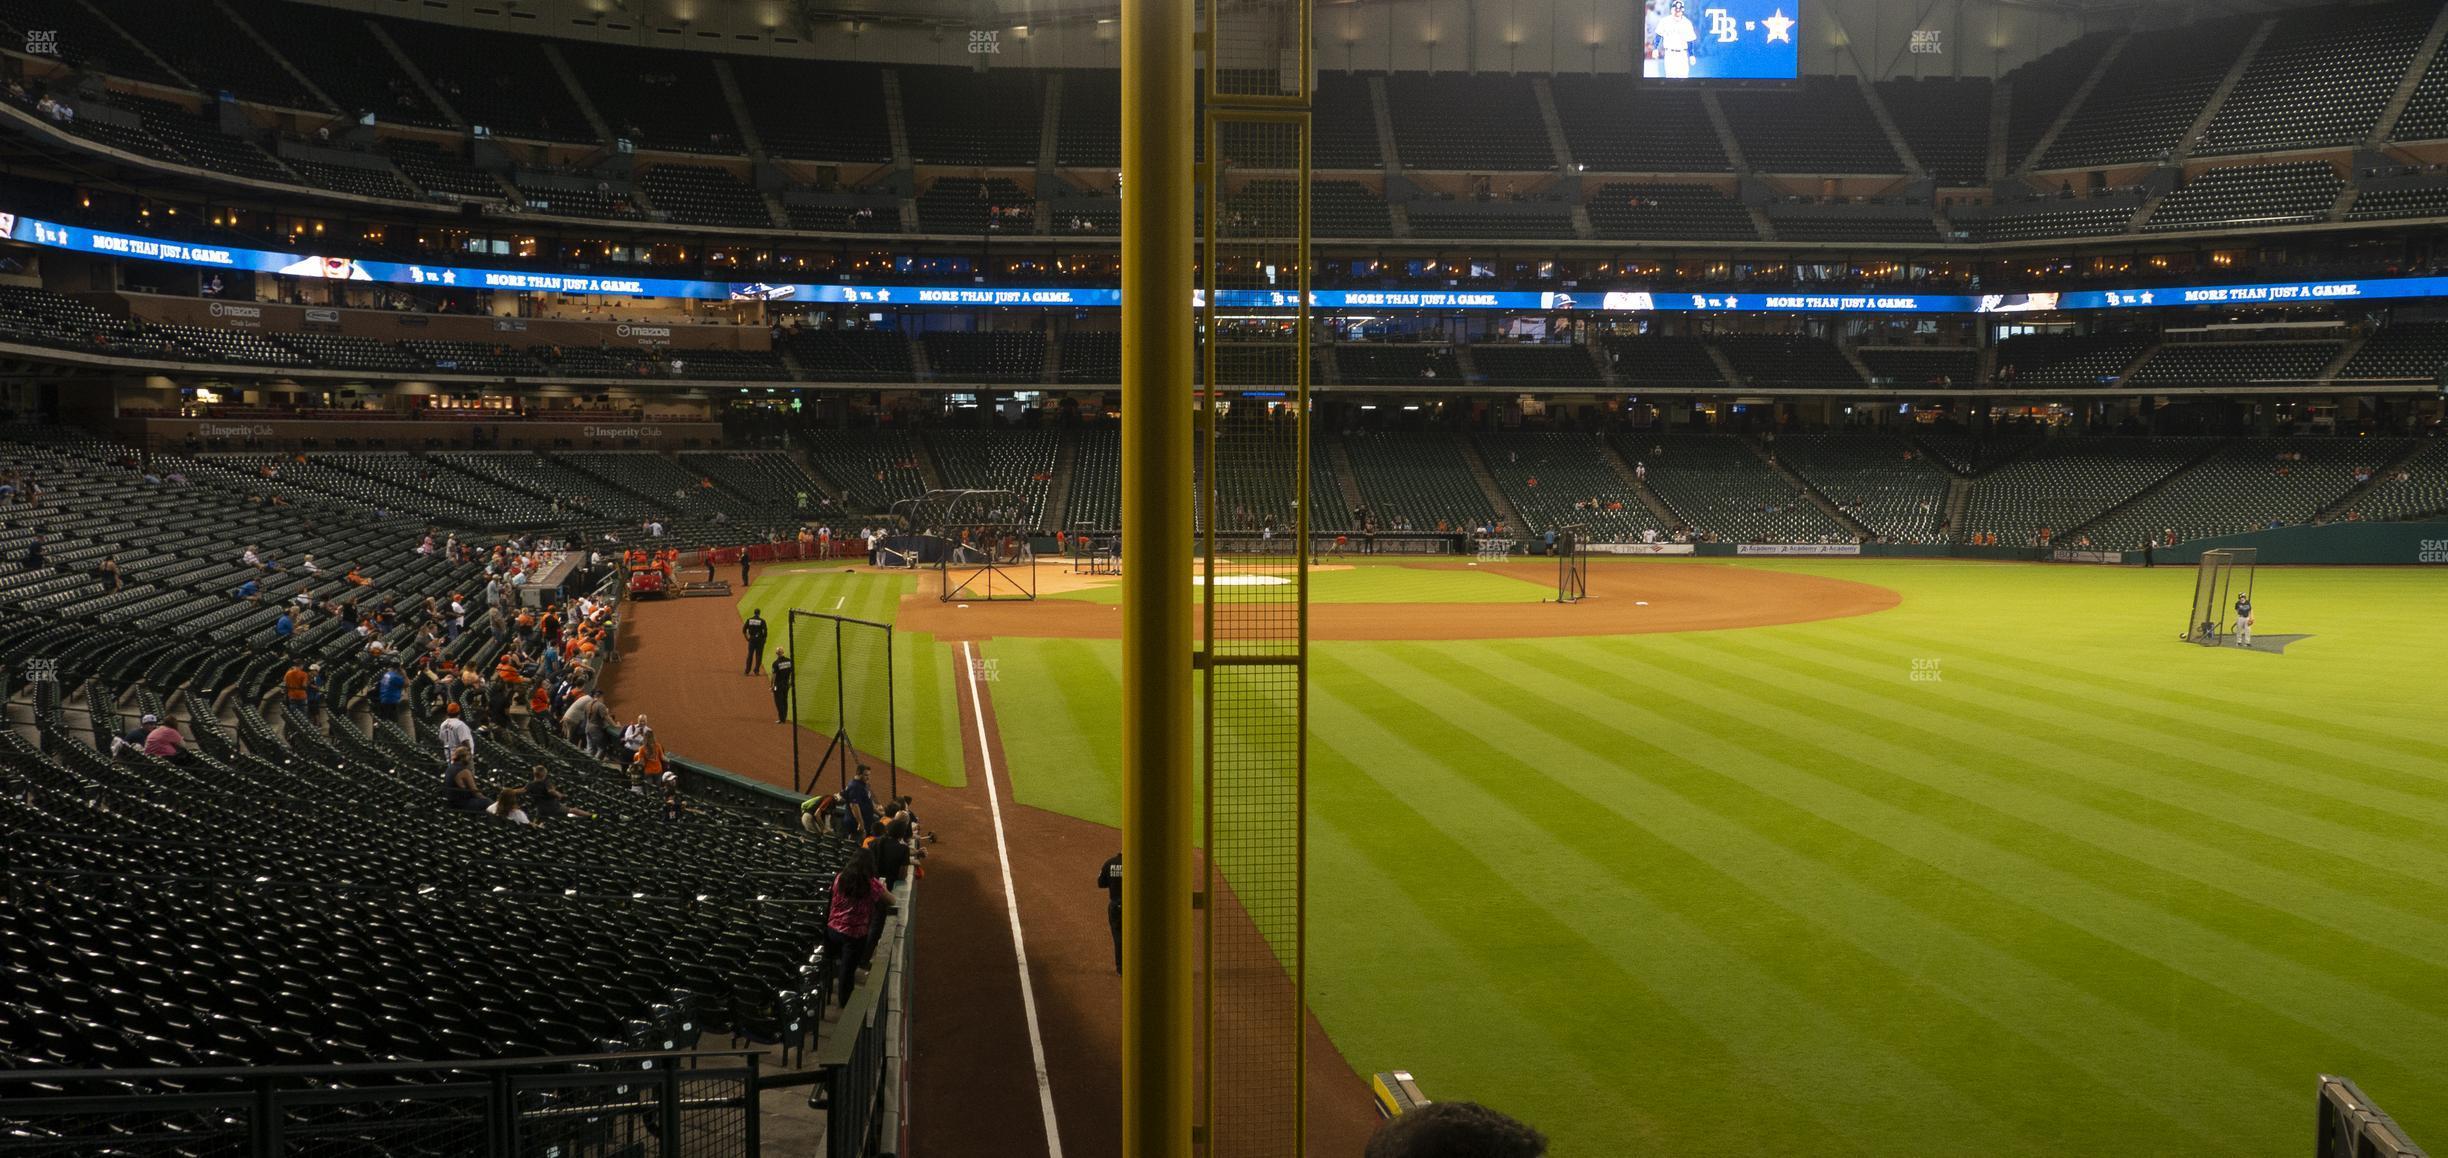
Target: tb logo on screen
[[1726, 40]]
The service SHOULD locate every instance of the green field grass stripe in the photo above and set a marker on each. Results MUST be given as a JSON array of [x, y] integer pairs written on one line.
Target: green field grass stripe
[[930, 711], [1507, 804], [1059, 701], [1890, 1003], [1512, 1058], [2285, 737], [2255, 691], [2091, 892], [2169, 743], [2076, 789], [2283, 915], [1792, 791], [1585, 1021], [2082, 978]]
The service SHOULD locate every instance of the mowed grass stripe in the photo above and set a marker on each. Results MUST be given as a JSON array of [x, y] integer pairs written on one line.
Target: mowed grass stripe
[[2277, 819], [2098, 934], [2355, 643], [1689, 858], [2285, 796], [1593, 1015], [1448, 984], [2280, 740], [1839, 878], [2287, 918], [2065, 723], [2052, 781]]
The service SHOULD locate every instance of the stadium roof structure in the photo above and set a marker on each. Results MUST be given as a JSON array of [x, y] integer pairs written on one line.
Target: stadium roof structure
[[731, 25]]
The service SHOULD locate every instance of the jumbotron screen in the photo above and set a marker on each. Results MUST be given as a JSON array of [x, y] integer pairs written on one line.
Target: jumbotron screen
[[1721, 39]]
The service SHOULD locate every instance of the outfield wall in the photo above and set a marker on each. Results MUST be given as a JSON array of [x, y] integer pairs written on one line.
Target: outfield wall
[[2355, 544], [2341, 544]]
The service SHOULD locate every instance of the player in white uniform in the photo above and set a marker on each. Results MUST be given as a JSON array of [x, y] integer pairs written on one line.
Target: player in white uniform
[[1674, 36]]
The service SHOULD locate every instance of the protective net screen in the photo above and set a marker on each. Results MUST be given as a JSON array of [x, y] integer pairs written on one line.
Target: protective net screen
[[842, 697], [1255, 524]]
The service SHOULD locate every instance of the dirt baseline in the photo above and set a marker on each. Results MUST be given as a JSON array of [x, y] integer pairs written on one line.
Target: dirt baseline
[[1628, 599]]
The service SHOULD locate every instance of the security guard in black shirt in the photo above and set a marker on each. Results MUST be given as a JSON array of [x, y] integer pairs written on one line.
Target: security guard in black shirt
[[754, 629], [1109, 878], [782, 686]]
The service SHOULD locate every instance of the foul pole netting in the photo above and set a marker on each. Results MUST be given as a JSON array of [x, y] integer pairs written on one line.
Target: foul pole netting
[[1253, 510]]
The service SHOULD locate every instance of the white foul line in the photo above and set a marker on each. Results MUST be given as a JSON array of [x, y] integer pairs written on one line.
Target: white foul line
[[1011, 904], [838, 600]]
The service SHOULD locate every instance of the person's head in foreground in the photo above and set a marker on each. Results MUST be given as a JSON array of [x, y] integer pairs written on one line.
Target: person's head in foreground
[[1455, 1130]]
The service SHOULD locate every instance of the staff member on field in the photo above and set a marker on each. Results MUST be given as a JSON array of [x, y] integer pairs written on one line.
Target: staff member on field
[[754, 629], [782, 686], [1109, 878]]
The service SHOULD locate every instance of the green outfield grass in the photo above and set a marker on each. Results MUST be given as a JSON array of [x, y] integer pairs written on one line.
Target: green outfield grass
[[2005, 870], [926, 672], [1373, 582]]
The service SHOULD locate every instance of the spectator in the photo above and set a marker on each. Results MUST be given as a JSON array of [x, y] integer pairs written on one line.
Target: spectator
[[296, 680], [892, 848], [500, 693], [648, 759], [506, 805], [164, 742], [459, 788], [574, 718], [635, 736], [455, 733], [546, 802], [858, 896], [673, 807], [390, 694], [599, 731], [133, 740], [283, 626], [860, 798], [821, 814], [110, 574], [1455, 1130], [34, 554]]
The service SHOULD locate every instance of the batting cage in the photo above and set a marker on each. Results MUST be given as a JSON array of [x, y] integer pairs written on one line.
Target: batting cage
[[1572, 563], [978, 541], [1092, 551], [2225, 574], [842, 701]]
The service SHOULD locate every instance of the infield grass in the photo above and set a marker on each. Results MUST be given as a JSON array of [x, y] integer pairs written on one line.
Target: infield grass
[[1382, 582], [2004, 870]]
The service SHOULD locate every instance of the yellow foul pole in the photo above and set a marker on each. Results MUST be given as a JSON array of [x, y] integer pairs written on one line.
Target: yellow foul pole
[[1157, 773]]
